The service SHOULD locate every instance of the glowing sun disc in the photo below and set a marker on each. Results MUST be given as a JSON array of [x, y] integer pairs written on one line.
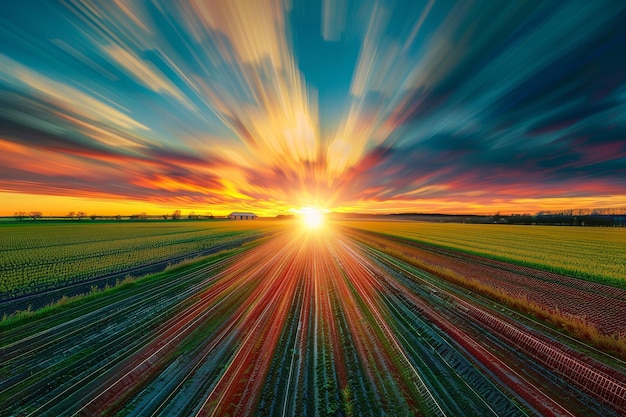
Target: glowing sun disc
[[312, 218]]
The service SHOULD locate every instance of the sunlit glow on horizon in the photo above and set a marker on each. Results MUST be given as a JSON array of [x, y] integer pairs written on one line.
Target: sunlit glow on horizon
[[312, 218]]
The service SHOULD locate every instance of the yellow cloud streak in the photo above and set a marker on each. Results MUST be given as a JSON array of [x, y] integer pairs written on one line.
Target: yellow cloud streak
[[280, 123]]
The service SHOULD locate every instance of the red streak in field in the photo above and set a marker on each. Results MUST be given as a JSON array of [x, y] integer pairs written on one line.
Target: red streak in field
[[333, 272], [368, 289], [325, 275], [136, 370], [267, 310]]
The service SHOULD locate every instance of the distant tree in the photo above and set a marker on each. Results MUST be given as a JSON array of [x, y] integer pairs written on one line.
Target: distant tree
[[19, 215], [165, 216], [93, 217], [80, 215], [176, 215], [118, 217], [35, 215], [70, 214], [520, 219]]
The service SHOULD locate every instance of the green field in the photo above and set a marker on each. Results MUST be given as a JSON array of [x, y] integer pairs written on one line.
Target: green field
[[37, 255], [597, 254]]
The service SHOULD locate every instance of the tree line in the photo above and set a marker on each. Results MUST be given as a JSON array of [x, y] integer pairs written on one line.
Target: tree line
[[597, 220], [80, 215]]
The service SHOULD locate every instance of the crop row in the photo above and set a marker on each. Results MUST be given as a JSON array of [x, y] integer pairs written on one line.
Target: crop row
[[23, 258], [551, 297], [26, 271], [597, 254], [595, 379], [119, 330], [303, 323], [42, 235], [398, 384], [600, 384], [278, 385]]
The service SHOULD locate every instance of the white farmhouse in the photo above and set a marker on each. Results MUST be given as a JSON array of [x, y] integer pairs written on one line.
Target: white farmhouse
[[241, 216]]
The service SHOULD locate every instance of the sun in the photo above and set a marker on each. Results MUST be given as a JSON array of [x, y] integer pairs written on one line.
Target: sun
[[312, 218]]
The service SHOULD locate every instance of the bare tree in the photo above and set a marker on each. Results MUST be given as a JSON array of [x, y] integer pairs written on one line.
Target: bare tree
[[35, 215]]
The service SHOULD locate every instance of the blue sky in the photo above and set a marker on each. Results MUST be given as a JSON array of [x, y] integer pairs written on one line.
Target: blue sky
[[386, 106]]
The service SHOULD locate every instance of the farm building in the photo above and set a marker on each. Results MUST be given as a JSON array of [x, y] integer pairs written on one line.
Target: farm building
[[241, 216]]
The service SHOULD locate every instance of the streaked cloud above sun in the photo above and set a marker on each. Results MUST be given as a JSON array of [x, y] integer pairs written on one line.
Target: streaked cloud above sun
[[349, 105]]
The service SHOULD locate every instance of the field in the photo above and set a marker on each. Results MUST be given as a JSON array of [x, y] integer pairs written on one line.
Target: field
[[36, 257], [353, 318], [594, 253]]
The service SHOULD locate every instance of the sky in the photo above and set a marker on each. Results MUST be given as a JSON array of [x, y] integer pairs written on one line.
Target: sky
[[122, 107]]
